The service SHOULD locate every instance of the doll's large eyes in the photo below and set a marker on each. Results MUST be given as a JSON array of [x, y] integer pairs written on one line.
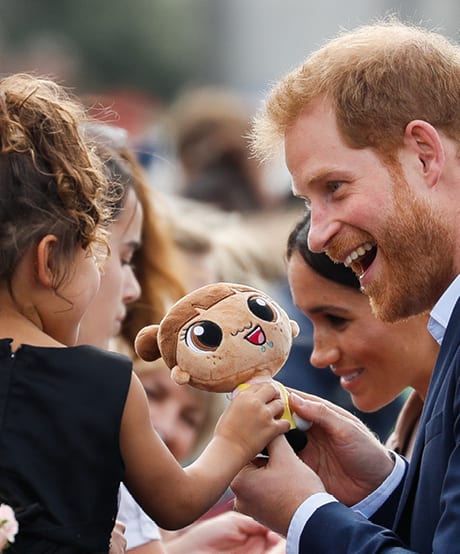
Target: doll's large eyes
[[261, 308], [203, 336]]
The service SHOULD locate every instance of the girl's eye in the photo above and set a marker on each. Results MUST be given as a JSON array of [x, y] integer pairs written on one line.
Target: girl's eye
[[262, 308], [204, 336]]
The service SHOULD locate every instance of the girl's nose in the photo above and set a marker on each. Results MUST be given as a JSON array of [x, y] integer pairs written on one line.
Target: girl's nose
[[132, 290]]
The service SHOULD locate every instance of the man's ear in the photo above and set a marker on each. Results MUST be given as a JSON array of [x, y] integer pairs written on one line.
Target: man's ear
[[45, 260], [424, 139]]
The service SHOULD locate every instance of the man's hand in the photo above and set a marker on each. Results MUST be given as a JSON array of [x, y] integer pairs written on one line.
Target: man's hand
[[271, 490], [344, 453]]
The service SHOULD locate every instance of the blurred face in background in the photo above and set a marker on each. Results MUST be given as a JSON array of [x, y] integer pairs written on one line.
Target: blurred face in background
[[178, 412], [119, 286]]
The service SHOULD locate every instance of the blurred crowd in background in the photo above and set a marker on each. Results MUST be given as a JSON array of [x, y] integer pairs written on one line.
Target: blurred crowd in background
[[183, 79]]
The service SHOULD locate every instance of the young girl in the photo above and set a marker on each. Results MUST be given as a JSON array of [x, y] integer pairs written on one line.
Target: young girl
[[74, 421]]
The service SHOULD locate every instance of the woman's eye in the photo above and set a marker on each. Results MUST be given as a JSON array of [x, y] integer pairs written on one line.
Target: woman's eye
[[262, 308], [336, 321], [203, 336]]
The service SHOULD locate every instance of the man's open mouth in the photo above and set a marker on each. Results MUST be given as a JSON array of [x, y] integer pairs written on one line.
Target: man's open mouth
[[361, 258]]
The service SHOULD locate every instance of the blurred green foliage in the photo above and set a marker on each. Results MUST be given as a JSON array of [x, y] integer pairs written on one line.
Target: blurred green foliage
[[154, 45]]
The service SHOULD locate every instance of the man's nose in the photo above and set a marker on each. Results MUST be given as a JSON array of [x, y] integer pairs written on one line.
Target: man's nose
[[322, 229]]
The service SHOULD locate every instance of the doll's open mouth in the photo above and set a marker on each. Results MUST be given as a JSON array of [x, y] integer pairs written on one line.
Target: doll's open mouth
[[256, 336]]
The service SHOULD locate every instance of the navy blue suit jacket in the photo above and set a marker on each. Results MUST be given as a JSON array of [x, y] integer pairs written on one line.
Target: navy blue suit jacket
[[423, 515]]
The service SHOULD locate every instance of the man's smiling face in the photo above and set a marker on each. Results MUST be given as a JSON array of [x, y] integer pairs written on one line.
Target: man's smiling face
[[366, 215]]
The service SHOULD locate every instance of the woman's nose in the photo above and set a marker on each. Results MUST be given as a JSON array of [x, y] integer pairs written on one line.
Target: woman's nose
[[324, 353]]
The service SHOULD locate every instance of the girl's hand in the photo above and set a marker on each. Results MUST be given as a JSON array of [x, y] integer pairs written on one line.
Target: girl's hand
[[117, 539], [252, 419]]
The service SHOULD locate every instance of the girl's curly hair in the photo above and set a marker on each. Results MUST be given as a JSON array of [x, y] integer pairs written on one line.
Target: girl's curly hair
[[51, 181]]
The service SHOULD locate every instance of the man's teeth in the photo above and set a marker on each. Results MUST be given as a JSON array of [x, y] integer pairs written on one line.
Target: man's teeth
[[360, 251]]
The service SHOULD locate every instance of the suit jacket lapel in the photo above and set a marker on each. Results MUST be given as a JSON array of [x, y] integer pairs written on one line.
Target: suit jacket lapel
[[449, 346]]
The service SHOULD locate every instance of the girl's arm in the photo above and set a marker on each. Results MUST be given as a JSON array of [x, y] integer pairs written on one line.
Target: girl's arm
[[174, 496], [151, 547]]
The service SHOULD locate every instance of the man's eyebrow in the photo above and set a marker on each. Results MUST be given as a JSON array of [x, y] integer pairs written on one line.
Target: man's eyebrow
[[329, 174], [318, 176]]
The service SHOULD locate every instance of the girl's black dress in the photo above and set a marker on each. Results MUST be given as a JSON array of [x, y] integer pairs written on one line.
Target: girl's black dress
[[60, 461]]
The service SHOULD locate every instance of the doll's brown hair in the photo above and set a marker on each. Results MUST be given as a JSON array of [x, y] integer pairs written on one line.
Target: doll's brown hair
[[187, 309]]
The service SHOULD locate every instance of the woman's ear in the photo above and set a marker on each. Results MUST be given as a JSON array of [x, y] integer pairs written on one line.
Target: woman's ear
[[425, 141], [45, 260]]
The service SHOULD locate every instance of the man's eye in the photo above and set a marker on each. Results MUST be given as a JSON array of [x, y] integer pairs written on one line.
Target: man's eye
[[203, 336], [334, 185]]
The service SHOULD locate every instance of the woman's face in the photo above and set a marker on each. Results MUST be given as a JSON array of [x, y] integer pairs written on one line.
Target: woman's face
[[119, 287], [178, 412], [374, 360]]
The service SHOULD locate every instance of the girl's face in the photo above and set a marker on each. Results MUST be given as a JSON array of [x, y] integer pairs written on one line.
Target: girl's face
[[78, 291], [178, 412], [374, 360], [119, 287]]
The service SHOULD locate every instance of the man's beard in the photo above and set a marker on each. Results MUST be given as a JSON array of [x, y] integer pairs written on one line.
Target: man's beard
[[418, 249]]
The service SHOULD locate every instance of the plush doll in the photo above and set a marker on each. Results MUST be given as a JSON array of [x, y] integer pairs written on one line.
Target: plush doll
[[221, 338]]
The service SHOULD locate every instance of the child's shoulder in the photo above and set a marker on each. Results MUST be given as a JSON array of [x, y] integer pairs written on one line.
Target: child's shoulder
[[82, 360]]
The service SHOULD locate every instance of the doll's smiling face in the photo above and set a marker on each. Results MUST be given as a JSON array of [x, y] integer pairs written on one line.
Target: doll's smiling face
[[240, 337]]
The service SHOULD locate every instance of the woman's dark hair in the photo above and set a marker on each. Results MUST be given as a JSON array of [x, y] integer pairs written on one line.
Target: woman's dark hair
[[320, 263]]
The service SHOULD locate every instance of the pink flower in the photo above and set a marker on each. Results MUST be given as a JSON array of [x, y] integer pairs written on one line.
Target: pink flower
[[8, 525]]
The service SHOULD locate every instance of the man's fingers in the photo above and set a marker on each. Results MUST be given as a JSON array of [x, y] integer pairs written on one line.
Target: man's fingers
[[320, 412], [296, 399]]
